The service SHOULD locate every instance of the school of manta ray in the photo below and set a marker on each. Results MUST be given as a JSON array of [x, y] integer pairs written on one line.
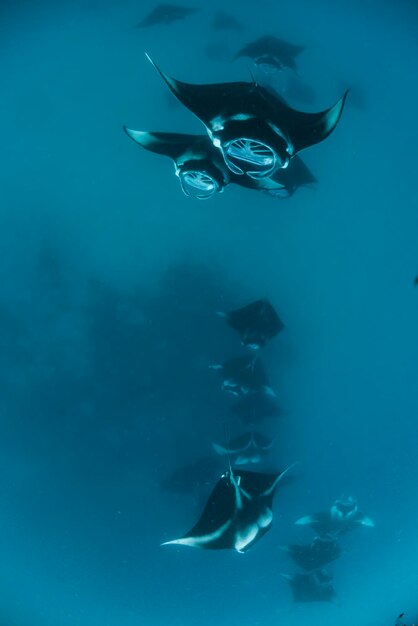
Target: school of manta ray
[[251, 137]]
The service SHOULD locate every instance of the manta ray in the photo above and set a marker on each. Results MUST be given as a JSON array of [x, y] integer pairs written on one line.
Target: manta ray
[[271, 54], [256, 323], [238, 512], [166, 14]]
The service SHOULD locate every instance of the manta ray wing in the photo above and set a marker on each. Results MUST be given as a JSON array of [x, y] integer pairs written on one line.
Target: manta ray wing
[[215, 103], [305, 129], [172, 145], [213, 530]]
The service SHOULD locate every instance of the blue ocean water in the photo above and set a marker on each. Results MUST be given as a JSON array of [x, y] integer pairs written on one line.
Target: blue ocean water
[[110, 278]]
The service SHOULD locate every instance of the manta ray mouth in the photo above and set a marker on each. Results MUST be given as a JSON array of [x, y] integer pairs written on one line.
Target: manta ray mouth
[[251, 157], [198, 184]]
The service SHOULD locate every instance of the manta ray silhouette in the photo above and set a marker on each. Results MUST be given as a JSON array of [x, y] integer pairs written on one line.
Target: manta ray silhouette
[[271, 54], [320, 552], [166, 14], [315, 586], [256, 323]]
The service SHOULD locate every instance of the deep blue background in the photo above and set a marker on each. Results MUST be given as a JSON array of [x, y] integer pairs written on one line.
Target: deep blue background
[[109, 280]]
